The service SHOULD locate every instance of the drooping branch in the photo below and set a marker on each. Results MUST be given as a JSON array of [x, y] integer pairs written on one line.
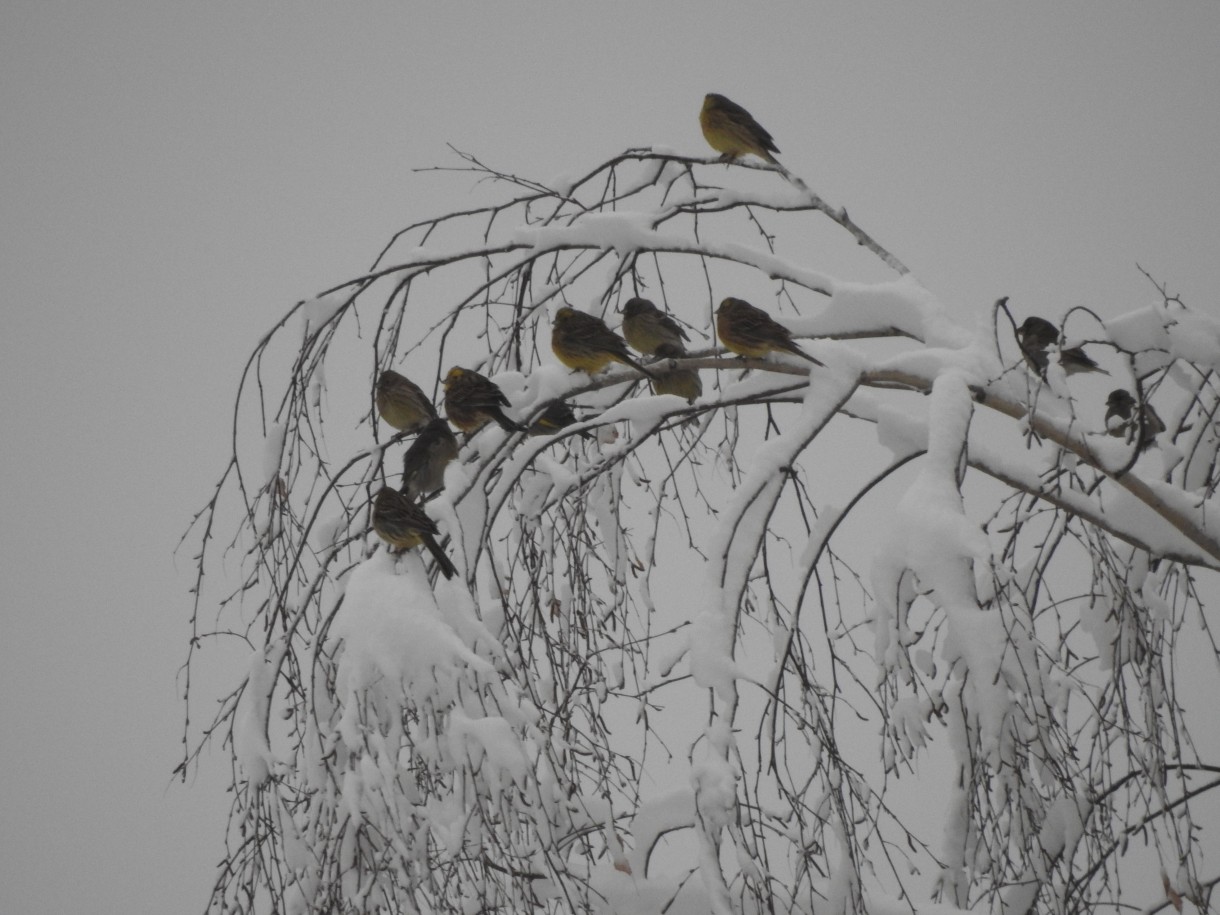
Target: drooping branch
[[642, 586]]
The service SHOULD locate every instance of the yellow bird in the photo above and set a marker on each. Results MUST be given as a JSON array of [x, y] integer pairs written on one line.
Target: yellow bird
[[750, 331], [647, 328], [558, 415], [403, 524], [732, 131], [402, 403], [683, 382], [472, 400], [584, 342], [423, 466]]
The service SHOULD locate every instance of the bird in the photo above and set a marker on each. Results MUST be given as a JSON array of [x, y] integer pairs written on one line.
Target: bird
[[402, 403], [750, 331], [400, 522], [732, 131], [556, 416], [1036, 335], [646, 328], [471, 400], [683, 382], [423, 466], [1121, 421], [584, 342]]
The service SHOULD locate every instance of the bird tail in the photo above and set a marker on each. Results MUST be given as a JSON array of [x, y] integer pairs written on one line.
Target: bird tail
[[797, 351], [779, 167], [507, 424], [639, 368], [443, 562]]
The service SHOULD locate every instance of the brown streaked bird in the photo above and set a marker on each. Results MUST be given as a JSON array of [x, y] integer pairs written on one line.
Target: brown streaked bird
[[558, 415], [403, 524], [750, 331], [732, 131], [1121, 421], [472, 400], [423, 466], [683, 382], [646, 328], [402, 403], [584, 343], [1036, 335]]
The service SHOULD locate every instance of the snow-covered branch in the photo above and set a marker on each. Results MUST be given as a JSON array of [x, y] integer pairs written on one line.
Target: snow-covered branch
[[891, 627]]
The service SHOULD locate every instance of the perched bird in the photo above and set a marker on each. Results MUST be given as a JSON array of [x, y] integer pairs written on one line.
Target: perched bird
[[1036, 335], [471, 400], [402, 403], [750, 331], [732, 131], [683, 382], [556, 416], [646, 327], [1121, 419], [584, 342], [403, 524], [423, 466]]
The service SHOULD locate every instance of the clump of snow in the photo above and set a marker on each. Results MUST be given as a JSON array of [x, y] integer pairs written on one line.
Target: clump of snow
[[319, 311], [251, 746], [902, 305], [1161, 334], [396, 638]]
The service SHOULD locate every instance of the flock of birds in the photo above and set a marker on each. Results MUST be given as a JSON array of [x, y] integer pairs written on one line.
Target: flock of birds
[[1125, 416], [583, 342]]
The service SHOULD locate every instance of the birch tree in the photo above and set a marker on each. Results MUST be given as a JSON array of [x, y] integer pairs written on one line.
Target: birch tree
[[918, 630]]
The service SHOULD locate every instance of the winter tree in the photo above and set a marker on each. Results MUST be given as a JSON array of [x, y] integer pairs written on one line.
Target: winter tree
[[917, 630]]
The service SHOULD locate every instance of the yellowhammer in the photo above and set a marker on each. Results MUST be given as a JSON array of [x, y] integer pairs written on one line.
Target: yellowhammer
[[750, 331], [403, 524], [646, 327], [423, 466], [583, 342], [471, 400], [732, 131], [402, 403]]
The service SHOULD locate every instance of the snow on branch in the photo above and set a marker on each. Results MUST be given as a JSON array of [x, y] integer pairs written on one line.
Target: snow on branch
[[900, 626]]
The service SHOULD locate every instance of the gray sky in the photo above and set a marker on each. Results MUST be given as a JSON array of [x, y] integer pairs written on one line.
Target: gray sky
[[175, 175]]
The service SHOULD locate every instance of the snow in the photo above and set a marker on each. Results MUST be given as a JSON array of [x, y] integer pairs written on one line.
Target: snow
[[1161, 334], [467, 717], [490, 745], [396, 638], [657, 816], [622, 231], [901, 304], [320, 311], [251, 745]]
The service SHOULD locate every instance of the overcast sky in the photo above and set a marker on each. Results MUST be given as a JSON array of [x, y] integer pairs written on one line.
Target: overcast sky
[[174, 175]]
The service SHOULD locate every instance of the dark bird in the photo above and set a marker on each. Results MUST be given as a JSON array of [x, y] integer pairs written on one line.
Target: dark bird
[[471, 400], [750, 331], [402, 403], [558, 415], [683, 382], [403, 524], [732, 131], [646, 328], [584, 342], [1036, 335], [423, 466], [1121, 419]]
